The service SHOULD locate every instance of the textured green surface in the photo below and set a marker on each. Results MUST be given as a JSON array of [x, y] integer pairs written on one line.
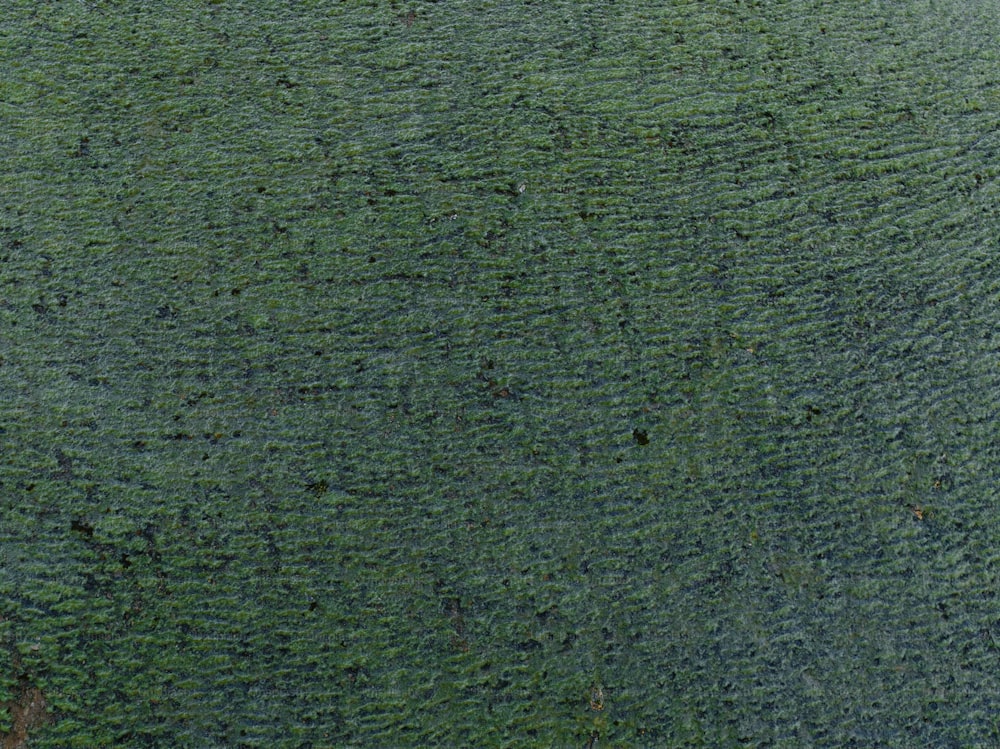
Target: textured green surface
[[397, 374]]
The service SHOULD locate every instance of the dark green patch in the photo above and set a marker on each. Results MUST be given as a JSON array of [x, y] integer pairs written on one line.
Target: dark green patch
[[391, 373]]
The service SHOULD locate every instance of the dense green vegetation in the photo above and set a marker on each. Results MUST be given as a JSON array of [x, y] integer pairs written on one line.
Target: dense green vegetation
[[499, 373]]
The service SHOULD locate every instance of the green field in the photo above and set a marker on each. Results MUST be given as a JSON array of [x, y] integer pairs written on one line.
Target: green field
[[499, 373]]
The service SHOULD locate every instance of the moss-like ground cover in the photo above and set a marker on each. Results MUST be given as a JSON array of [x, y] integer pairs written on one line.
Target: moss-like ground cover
[[499, 373]]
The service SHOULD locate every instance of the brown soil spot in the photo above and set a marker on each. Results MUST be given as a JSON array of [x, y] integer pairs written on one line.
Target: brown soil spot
[[27, 712]]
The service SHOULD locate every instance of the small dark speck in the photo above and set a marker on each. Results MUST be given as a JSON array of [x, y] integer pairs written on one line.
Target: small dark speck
[[318, 488], [641, 436], [81, 526]]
